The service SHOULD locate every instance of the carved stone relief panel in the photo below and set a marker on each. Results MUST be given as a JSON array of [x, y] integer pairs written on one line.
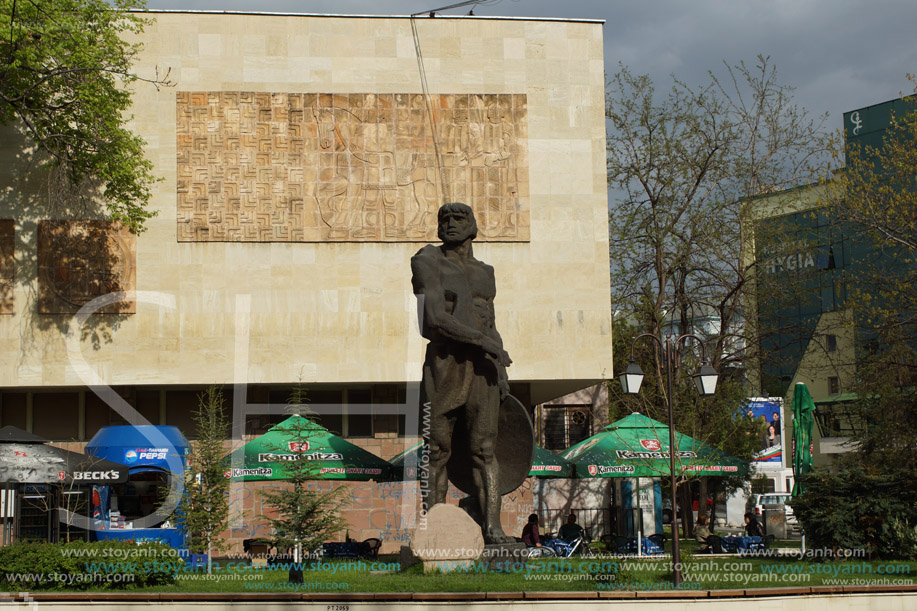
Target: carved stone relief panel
[[7, 265], [286, 167], [81, 260]]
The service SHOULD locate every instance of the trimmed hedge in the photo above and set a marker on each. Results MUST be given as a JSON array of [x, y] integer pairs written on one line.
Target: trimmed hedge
[[854, 509], [103, 565]]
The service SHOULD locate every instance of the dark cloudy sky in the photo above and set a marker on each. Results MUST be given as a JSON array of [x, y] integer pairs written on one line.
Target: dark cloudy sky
[[839, 54]]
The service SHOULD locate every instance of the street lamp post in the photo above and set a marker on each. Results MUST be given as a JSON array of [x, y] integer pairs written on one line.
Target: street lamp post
[[705, 383]]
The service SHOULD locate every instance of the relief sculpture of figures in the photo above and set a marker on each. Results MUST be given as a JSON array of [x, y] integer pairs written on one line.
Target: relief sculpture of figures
[[464, 372], [367, 167]]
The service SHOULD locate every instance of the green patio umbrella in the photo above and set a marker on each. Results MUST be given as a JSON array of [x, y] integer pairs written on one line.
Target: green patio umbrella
[[549, 464], [398, 462], [803, 417], [545, 463], [334, 458], [637, 446]]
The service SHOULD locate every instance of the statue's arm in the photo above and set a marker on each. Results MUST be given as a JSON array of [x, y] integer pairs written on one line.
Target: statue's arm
[[502, 359]]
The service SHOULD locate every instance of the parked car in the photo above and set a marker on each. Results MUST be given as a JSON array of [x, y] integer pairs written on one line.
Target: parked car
[[757, 502]]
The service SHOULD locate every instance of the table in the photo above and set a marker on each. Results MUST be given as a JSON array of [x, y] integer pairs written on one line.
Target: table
[[742, 545], [341, 549], [628, 545]]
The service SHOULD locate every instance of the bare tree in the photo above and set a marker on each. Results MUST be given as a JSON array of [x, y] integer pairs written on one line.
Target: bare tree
[[686, 168]]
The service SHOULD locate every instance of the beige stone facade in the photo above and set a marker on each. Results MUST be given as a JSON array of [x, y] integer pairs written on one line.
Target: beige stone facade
[[293, 197], [342, 311]]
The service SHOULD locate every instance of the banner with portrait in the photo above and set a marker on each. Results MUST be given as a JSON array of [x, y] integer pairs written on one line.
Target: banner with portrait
[[767, 416]]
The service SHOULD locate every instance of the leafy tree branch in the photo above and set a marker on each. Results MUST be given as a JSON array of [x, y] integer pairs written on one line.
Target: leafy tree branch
[[65, 76]]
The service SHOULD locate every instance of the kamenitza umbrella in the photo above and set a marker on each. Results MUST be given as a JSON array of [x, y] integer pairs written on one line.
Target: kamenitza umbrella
[[333, 458], [549, 464], [399, 461], [638, 446], [544, 464], [803, 410]]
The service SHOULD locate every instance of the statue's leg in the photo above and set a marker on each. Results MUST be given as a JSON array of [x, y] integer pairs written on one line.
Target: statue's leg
[[483, 414], [438, 439]]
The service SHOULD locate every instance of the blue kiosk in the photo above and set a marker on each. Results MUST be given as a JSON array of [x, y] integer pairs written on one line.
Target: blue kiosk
[[154, 455]]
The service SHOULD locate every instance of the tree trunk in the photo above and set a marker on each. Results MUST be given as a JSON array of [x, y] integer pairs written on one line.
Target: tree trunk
[[295, 573], [702, 496], [687, 517], [712, 487]]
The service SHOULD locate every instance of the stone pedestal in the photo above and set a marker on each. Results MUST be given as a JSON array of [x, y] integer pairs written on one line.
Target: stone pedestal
[[447, 539]]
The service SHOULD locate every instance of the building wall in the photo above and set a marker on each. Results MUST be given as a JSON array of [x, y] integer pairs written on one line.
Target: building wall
[[328, 311], [797, 322], [287, 300]]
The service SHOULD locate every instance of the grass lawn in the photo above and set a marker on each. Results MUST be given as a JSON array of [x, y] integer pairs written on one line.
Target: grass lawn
[[576, 574], [572, 574]]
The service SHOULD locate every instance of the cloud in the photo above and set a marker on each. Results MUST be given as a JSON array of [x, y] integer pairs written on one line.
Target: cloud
[[839, 54]]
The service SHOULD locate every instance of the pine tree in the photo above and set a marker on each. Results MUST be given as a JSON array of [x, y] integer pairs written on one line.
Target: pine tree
[[305, 518], [204, 508]]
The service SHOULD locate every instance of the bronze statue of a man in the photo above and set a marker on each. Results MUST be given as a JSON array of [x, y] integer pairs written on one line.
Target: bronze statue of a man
[[464, 373]]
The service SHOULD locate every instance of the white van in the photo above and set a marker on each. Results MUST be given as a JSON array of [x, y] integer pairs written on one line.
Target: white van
[[758, 501]]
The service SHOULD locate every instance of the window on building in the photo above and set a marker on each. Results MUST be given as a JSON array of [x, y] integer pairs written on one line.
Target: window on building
[[831, 343], [401, 398], [839, 419], [14, 410], [763, 485], [98, 414], [834, 386], [55, 415], [359, 420], [329, 405], [351, 412], [146, 402], [180, 408], [827, 299], [566, 425]]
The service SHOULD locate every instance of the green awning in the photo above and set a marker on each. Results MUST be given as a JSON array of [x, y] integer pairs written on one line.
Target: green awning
[[847, 396]]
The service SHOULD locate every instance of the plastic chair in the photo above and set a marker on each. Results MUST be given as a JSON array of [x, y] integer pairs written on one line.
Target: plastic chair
[[651, 548], [623, 545], [370, 548]]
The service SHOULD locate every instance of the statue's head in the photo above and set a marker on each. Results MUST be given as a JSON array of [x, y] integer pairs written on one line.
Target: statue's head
[[456, 223]]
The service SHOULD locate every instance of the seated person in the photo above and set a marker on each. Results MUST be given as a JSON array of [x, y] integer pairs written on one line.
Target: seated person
[[752, 528], [530, 535], [570, 531], [710, 543]]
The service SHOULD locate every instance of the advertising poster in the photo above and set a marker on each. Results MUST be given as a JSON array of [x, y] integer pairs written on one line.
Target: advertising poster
[[767, 413]]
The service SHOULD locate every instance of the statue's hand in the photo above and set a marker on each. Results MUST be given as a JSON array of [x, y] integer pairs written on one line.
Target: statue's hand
[[504, 390], [493, 348]]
